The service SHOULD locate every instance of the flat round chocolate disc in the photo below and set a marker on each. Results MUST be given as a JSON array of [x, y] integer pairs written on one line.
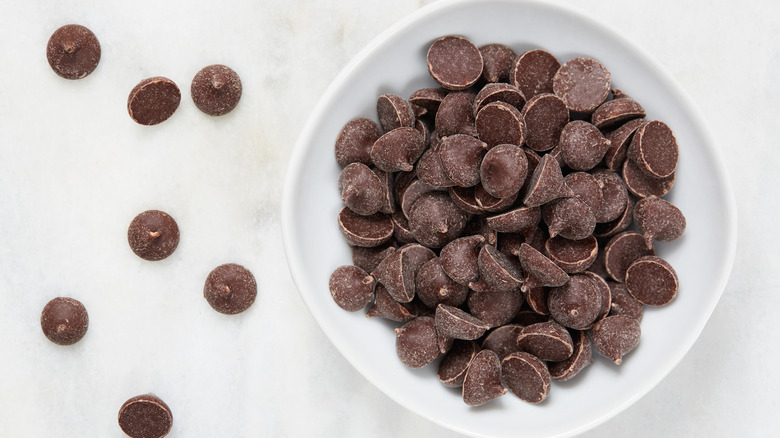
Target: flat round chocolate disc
[[216, 89], [230, 289], [145, 416], [73, 51], [153, 100]]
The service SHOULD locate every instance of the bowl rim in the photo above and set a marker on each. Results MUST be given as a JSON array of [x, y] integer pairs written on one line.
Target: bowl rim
[[299, 154]]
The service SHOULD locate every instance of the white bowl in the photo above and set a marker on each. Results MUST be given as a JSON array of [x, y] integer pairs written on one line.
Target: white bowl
[[395, 63]]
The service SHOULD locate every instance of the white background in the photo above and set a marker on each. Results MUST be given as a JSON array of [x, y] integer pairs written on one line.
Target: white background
[[74, 170]]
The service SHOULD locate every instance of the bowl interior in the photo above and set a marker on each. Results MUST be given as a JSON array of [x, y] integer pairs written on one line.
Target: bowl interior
[[395, 63]]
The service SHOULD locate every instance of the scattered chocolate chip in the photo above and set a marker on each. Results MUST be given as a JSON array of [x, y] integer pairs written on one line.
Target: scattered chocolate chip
[[384, 306], [586, 188], [145, 416], [216, 89], [153, 235], [615, 336], [64, 320], [619, 140], [428, 98], [355, 141], [608, 229], [503, 170], [456, 114], [231, 289], [351, 287], [153, 100], [536, 297], [518, 220], [430, 171], [454, 62], [546, 183], [614, 195], [490, 203], [569, 217], [367, 258], [73, 51], [652, 281], [457, 324], [483, 379], [526, 376], [582, 83], [497, 271]]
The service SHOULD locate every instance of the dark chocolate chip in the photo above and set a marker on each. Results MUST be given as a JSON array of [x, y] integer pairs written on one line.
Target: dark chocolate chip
[[503, 340], [546, 183], [572, 255], [539, 270], [454, 62], [483, 379], [465, 198], [500, 123], [586, 188], [497, 60], [73, 51], [351, 287], [398, 150], [576, 304], [457, 324], [231, 289], [623, 303], [499, 92], [652, 281], [621, 251], [435, 220], [459, 258], [367, 258], [495, 308], [416, 342], [453, 366], [384, 306], [145, 416], [569, 217], [216, 89], [615, 336], [537, 297], [153, 100], [365, 231], [614, 195], [583, 83], [461, 156], [548, 341], [533, 72], [658, 219], [581, 357], [518, 220], [490, 203], [497, 271], [355, 141], [582, 145], [428, 98], [608, 229], [615, 112], [654, 150], [526, 376], [435, 287], [361, 189], [430, 170], [641, 185], [64, 320], [456, 114], [545, 115], [153, 235], [619, 139], [394, 112]]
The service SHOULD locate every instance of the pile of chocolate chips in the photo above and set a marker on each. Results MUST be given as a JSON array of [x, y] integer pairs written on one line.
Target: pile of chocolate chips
[[507, 218]]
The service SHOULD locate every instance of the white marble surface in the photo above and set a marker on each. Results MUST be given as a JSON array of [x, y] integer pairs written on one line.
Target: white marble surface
[[74, 170]]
